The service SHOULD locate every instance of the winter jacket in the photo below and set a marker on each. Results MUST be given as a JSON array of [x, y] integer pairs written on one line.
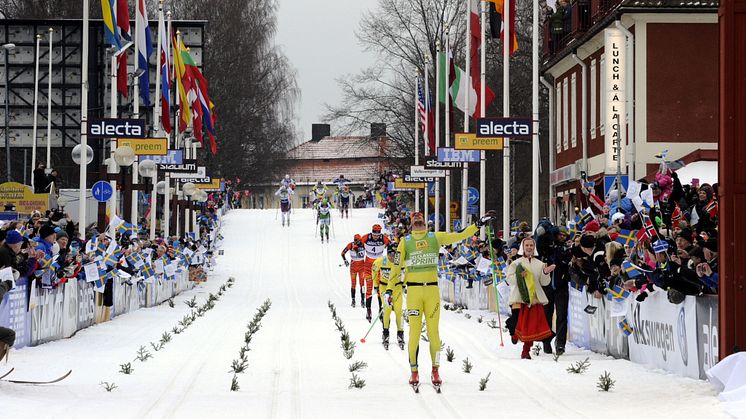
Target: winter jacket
[[537, 268]]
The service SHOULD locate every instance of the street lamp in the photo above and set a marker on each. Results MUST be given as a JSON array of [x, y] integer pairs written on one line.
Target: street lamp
[[6, 48], [149, 170], [79, 154], [162, 188], [188, 189], [124, 156]]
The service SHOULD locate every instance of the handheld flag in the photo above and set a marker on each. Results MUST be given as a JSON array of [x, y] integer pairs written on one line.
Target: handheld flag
[[630, 269], [660, 246], [616, 294], [625, 327], [584, 218], [627, 237]]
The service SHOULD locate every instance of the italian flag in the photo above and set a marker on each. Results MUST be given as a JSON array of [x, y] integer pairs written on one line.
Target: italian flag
[[458, 87]]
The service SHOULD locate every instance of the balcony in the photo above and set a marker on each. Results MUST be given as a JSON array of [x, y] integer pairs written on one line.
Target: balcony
[[566, 26]]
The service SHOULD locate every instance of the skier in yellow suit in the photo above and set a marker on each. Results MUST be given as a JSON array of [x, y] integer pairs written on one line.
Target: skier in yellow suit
[[381, 279], [419, 252]]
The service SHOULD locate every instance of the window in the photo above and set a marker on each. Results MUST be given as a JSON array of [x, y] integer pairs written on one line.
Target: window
[[593, 98], [602, 96], [558, 116], [574, 111], [565, 119]]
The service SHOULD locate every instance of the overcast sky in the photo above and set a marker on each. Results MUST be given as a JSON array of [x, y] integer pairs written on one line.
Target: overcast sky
[[318, 38]]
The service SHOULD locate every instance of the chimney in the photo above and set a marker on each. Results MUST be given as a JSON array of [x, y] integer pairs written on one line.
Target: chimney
[[377, 130], [319, 131]]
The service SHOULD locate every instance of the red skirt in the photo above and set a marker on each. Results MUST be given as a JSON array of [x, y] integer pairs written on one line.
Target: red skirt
[[532, 324]]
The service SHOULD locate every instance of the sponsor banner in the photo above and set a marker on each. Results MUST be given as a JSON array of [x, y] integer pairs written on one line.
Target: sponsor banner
[[70, 308], [200, 173], [707, 333], [470, 141], [401, 184], [420, 171], [146, 146], [504, 127], [597, 325], [205, 182], [46, 316], [14, 314], [213, 185], [171, 157], [187, 166], [86, 305], [432, 163], [578, 325], [23, 197], [664, 334], [116, 127], [453, 155], [417, 179], [615, 97]]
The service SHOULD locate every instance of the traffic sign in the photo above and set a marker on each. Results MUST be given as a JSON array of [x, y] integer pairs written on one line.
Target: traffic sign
[[473, 196], [102, 191], [610, 183], [431, 188]]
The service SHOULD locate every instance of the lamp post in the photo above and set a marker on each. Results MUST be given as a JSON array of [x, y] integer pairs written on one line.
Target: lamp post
[[189, 189], [124, 156], [81, 153], [6, 48], [149, 170]]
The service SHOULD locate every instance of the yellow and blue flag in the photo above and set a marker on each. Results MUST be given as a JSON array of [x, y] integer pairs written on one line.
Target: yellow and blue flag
[[617, 293], [627, 237], [625, 327], [108, 13], [630, 269]]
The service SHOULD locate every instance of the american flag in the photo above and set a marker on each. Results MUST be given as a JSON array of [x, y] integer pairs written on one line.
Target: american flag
[[421, 107], [425, 109]]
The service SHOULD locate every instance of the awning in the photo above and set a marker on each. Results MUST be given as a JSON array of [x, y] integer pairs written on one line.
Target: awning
[[705, 171]]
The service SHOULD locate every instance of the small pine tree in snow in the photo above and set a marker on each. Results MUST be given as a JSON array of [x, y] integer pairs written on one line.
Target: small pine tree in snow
[[468, 316], [156, 346], [171, 302], [238, 366], [345, 336], [356, 382], [493, 324], [357, 366], [165, 337], [191, 303], [176, 330], [579, 367], [467, 366], [483, 382], [234, 383], [143, 354], [450, 355], [480, 319], [348, 348], [339, 325], [126, 368], [605, 382], [536, 349], [108, 386]]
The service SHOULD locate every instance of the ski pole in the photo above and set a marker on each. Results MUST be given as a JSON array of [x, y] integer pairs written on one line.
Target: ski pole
[[380, 313], [332, 224], [494, 281]]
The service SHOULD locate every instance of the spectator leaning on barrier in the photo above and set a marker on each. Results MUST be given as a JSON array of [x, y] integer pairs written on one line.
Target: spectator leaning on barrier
[[10, 252]]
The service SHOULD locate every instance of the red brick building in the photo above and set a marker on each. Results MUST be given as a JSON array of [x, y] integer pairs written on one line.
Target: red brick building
[[661, 86]]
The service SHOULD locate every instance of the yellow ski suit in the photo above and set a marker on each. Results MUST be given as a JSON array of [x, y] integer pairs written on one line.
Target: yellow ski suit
[[381, 279], [421, 280]]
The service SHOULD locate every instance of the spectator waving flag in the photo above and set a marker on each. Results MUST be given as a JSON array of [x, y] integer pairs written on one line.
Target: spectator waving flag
[[572, 230], [144, 50], [583, 218], [660, 246], [616, 293], [627, 237], [630, 269], [625, 327]]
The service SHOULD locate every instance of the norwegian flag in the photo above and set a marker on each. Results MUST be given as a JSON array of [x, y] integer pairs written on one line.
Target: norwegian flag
[[647, 230], [676, 216], [427, 118]]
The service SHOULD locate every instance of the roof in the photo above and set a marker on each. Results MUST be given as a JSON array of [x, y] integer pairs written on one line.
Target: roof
[[672, 4], [338, 148], [309, 172]]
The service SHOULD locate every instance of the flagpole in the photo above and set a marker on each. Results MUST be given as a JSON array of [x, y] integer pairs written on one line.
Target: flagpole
[[36, 111], [437, 133], [447, 205], [165, 225], [426, 131], [483, 113], [535, 106], [157, 106], [49, 104], [112, 203], [506, 113], [417, 137], [83, 125], [136, 108], [465, 171], [176, 184]]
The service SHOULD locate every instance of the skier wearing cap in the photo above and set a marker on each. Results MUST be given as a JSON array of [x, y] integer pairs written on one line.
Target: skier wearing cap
[[344, 201], [324, 218], [381, 280], [418, 252], [375, 243], [357, 267], [284, 194]]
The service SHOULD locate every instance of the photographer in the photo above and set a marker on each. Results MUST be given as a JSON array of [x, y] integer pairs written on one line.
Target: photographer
[[557, 292]]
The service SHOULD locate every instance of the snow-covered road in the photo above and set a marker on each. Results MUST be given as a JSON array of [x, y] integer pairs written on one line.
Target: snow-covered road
[[296, 367]]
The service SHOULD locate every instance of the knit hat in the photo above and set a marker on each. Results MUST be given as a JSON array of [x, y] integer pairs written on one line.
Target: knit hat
[[686, 233], [592, 226], [13, 237], [61, 234], [617, 216], [587, 241], [45, 231]]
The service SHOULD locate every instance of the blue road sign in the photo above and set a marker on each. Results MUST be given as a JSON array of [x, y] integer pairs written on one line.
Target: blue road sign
[[102, 191], [456, 225], [473, 196], [431, 188], [610, 181]]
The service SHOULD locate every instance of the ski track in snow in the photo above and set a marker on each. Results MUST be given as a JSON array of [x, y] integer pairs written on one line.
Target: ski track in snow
[[295, 363]]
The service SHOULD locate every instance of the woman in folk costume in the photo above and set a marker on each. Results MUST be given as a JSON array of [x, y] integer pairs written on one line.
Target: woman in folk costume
[[526, 276]]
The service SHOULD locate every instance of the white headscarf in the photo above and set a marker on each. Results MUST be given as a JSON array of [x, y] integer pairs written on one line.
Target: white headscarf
[[520, 249]]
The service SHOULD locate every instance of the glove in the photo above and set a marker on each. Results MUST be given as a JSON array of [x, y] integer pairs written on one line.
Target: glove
[[10, 283], [347, 263], [388, 298], [489, 216]]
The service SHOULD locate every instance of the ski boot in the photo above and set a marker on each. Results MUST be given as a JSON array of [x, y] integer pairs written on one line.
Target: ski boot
[[400, 339], [386, 339], [435, 378], [368, 315], [414, 381], [283, 223], [353, 303], [327, 236], [362, 298]]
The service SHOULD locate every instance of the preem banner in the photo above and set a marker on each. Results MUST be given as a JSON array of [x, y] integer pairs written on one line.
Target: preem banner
[[664, 334]]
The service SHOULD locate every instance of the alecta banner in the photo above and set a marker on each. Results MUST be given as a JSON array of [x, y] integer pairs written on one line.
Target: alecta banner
[[664, 334]]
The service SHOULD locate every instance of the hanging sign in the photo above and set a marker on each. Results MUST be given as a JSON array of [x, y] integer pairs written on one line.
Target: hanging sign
[[399, 183], [171, 157], [470, 141], [504, 127], [420, 171], [453, 155], [431, 162], [615, 48], [115, 128], [146, 146]]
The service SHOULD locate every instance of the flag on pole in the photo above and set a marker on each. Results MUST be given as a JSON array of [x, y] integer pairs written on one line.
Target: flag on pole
[[165, 76], [476, 38], [123, 23], [425, 109], [108, 13], [627, 237], [497, 9], [182, 86], [144, 50]]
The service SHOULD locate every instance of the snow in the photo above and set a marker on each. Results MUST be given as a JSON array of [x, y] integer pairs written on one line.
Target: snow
[[296, 367]]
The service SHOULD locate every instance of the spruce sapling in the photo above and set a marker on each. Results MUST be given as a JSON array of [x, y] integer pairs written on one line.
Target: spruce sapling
[[242, 351], [165, 337], [605, 382], [234, 383], [156, 346], [108, 386], [467, 366], [340, 326], [450, 355], [579, 367], [493, 324], [238, 366], [143, 354], [536, 349], [126, 368], [357, 366], [483, 382], [468, 316], [345, 336], [191, 303], [356, 382], [176, 330], [480, 319]]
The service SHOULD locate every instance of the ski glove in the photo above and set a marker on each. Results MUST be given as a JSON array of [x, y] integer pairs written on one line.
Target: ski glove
[[347, 263], [388, 298], [489, 216]]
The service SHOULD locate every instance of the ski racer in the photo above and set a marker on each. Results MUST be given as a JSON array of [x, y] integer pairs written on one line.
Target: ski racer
[[418, 252], [288, 181], [324, 218], [381, 280], [357, 267], [318, 192], [375, 243], [284, 194], [345, 196]]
